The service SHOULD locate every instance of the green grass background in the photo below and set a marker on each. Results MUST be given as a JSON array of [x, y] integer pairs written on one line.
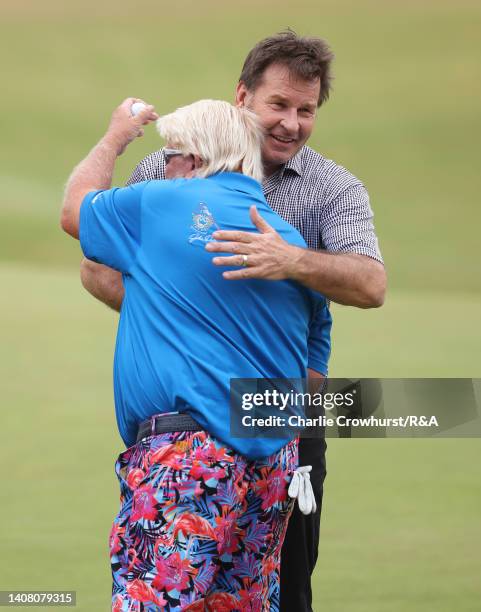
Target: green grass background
[[401, 527]]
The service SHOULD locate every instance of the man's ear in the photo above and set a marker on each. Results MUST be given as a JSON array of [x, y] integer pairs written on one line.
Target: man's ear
[[197, 162], [240, 94]]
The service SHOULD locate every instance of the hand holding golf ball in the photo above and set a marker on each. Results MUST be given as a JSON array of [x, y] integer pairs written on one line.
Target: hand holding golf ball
[[126, 122], [137, 107]]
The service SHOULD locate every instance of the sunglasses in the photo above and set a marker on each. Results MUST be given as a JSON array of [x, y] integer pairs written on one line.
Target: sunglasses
[[170, 153]]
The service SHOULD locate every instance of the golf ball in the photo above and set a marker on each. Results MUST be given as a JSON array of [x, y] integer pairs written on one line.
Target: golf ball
[[137, 107]]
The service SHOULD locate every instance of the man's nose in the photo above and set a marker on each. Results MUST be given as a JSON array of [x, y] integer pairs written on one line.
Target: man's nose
[[289, 122]]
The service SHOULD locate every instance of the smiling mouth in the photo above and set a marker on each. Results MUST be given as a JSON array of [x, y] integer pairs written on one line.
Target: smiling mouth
[[283, 140]]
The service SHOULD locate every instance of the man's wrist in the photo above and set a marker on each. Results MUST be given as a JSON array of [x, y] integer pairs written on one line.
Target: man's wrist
[[299, 264]]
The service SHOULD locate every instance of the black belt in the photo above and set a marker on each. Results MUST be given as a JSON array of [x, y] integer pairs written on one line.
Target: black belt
[[166, 423]]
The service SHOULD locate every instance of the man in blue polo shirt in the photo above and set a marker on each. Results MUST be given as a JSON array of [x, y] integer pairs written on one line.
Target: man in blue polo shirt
[[196, 501]]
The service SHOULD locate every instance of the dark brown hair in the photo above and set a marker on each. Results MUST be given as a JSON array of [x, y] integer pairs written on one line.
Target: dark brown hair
[[305, 57]]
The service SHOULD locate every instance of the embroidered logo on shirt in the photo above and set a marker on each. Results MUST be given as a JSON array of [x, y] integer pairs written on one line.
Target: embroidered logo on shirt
[[203, 225]]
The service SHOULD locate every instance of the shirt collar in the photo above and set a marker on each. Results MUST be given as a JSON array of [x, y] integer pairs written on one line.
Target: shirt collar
[[295, 163]]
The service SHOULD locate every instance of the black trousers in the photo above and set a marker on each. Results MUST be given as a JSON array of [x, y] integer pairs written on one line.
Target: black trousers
[[299, 551]]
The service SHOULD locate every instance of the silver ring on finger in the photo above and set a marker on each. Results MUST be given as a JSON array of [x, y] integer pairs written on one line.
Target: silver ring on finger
[[244, 263]]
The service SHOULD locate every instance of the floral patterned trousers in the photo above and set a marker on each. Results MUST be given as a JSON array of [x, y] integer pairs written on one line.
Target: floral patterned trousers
[[200, 527]]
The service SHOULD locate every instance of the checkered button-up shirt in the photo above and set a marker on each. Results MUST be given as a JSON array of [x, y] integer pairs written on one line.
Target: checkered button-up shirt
[[326, 203]]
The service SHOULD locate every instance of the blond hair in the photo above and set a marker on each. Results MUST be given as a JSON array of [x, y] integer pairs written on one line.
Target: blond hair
[[225, 137]]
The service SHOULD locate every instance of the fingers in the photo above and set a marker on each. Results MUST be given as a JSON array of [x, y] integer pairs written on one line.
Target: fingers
[[235, 260], [232, 236], [228, 247], [147, 115], [259, 222], [241, 274], [238, 236], [127, 103]]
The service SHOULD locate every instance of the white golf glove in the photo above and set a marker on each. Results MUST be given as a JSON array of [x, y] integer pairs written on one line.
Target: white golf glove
[[301, 488]]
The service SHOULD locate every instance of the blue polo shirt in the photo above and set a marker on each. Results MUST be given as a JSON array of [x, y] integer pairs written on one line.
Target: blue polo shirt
[[184, 331]]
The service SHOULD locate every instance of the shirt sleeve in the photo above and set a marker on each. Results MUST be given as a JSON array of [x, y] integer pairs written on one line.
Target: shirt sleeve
[[347, 224], [319, 340], [110, 226]]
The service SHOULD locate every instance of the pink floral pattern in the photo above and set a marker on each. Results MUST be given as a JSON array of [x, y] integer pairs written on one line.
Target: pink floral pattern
[[200, 527]]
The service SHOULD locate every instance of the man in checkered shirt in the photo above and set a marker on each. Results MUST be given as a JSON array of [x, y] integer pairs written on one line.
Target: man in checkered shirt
[[284, 80]]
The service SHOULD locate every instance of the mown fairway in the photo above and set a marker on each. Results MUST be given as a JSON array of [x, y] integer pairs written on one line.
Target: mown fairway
[[401, 523]]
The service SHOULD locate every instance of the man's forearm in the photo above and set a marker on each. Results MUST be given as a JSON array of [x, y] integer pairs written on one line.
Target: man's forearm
[[345, 278], [94, 172], [104, 283]]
